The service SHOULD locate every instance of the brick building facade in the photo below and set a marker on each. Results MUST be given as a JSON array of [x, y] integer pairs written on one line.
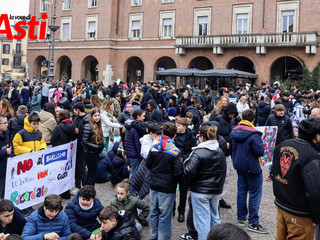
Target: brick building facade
[[131, 39]]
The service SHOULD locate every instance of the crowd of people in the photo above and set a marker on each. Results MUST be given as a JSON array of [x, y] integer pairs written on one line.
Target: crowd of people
[[147, 138]]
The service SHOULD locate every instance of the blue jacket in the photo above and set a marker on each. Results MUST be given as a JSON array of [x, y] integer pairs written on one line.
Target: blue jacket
[[133, 145], [104, 168], [264, 110], [35, 103], [25, 95], [83, 222], [38, 224], [246, 148]]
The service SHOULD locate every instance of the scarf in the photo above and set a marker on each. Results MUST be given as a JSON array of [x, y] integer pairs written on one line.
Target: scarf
[[247, 123]]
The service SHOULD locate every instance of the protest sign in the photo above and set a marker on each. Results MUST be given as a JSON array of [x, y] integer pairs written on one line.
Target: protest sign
[[32, 176], [269, 138]]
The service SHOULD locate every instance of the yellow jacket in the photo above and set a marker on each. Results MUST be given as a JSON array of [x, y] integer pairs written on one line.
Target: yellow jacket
[[28, 140]]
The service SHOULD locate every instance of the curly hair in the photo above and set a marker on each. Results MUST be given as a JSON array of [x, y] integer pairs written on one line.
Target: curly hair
[[96, 127], [107, 106]]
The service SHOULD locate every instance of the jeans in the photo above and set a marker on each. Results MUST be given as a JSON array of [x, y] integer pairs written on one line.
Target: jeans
[[226, 182], [252, 184], [134, 164], [161, 206], [205, 212], [191, 229]]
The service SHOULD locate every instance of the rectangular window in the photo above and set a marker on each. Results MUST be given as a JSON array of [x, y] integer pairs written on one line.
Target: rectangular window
[[288, 16], [66, 4], [167, 1], [16, 61], [242, 23], [136, 2], [5, 61], [6, 49], [135, 29], [92, 3], [43, 5], [91, 29], [203, 25], [167, 27], [66, 31], [287, 21], [18, 48]]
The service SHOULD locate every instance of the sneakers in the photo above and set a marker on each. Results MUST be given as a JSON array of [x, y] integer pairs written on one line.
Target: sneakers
[[242, 222], [187, 236], [257, 229], [269, 179], [224, 204], [74, 191]]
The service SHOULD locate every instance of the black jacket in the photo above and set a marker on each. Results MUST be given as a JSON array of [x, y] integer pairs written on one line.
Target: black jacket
[[15, 99], [296, 178], [141, 180], [185, 142], [205, 169], [89, 145], [124, 230], [288, 105], [17, 224], [226, 123], [79, 122], [264, 110], [15, 125], [285, 130], [64, 103], [197, 117], [165, 163], [63, 133]]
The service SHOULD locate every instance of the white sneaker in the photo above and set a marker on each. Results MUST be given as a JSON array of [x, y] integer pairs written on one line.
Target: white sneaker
[[74, 191]]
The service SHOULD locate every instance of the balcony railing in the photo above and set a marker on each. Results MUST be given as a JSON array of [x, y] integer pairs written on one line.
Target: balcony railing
[[18, 65], [248, 40], [15, 52]]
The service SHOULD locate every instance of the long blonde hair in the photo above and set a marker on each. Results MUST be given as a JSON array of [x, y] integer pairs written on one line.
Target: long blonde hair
[[96, 127], [219, 104]]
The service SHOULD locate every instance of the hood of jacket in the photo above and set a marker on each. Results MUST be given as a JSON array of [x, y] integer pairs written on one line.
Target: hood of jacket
[[231, 108], [27, 125], [156, 116], [20, 119], [146, 138], [211, 145], [45, 116], [241, 132], [153, 103], [62, 100], [67, 127]]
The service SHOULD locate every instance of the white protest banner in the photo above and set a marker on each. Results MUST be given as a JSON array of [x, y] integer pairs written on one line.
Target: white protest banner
[[32, 176]]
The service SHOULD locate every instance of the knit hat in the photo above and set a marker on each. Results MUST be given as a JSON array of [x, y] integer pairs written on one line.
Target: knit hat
[[128, 103], [172, 112]]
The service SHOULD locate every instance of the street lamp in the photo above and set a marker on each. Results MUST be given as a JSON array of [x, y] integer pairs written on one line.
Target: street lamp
[[52, 28]]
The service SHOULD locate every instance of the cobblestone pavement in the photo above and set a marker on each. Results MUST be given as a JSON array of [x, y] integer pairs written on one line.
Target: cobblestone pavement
[[267, 212]]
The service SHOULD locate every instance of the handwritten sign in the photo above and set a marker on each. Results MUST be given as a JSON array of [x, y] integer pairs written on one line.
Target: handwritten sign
[[32, 176]]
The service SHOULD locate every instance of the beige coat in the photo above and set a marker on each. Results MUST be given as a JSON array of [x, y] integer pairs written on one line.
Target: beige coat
[[47, 125]]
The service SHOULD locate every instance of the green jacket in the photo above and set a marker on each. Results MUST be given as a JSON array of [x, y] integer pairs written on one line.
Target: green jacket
[[131, 204]]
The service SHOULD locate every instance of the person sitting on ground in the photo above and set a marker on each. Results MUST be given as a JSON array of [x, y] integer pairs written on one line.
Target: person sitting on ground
[[83, 211], [11, 218], [125, 201], [227, 231], [116, 225], [16, 124], [48, 222], [29, 139]]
